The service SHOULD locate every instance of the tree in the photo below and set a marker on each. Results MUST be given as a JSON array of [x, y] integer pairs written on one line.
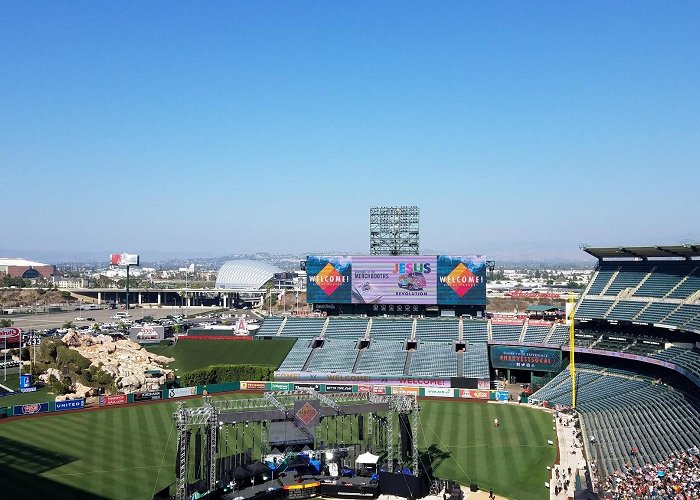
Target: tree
[[5, 322], [177, 328], [68, 325]]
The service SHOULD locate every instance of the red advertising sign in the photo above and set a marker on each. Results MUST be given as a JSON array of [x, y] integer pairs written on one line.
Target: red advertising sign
[[364, 388], [473, 394], [119, 399], [377, 389], [10, 334]]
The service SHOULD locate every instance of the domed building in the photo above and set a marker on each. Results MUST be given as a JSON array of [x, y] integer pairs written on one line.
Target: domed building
[[245, 274]]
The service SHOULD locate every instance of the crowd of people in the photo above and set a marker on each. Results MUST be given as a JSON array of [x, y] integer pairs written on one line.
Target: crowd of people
[[677, 478]]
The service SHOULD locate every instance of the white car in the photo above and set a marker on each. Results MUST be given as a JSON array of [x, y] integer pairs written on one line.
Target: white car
[[79, 318], [121, 315]]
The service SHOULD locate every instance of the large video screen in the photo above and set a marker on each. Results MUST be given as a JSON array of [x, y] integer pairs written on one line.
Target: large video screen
[[328, 280], [526, 358], [405, 279], [461, 280]]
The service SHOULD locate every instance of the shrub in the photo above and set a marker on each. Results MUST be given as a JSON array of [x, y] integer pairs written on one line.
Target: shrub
[[218, 374]]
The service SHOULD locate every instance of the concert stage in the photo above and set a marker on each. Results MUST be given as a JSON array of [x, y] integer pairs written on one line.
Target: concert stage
[[290, 486]]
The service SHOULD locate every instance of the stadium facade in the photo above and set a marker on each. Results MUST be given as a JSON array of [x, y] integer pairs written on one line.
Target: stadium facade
[[23, 268]]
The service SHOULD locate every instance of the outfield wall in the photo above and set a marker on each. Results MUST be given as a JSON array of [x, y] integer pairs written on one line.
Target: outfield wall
[[252, 386]]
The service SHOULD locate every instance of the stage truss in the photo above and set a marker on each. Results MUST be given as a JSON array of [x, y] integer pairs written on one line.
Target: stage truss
[[279, 406]]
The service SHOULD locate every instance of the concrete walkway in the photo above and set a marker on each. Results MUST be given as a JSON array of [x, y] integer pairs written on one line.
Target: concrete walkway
[[570, 456]]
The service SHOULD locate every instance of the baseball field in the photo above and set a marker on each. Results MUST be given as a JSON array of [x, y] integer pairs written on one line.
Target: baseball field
[[129, 452]]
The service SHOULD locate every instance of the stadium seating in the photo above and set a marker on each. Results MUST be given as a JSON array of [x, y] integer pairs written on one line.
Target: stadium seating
[[391, 329], [346, 327], [297, 357], [334, 356], [270, 326], [630, 275], [536, 333], [560, 335], [687, 288], [475, 331], [656, 312], [302, 327], [625, 310], [386, 357], [664, 278], [684, 314], [476, 361], [593, 308], [683, 356], [437, 330], [434, 359], [601, 279], [622, 410], [506, 333]]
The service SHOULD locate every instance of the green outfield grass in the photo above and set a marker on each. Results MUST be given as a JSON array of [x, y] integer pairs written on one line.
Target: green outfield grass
[[129, 452], [40, 396], [193, 354]]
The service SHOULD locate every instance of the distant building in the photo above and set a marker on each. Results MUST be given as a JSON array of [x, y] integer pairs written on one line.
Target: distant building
[[23, 268], [76, 283]]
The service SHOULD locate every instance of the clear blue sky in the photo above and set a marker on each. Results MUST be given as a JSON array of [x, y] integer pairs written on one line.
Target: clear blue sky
[[519, 128]]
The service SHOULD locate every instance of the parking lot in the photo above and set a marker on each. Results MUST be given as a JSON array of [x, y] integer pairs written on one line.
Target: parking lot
[[57, 320]]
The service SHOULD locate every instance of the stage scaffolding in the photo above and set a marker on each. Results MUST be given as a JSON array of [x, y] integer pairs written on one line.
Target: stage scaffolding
[[279, 406]]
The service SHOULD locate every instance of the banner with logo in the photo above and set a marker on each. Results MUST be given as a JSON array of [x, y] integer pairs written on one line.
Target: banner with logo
[[10, 334], [307, 413], [377, 389], [71, 404], [147, 334], [402, 389], [280, 386], [253, 386], [441, 392], [118, 399], [315, 387], [525, 358], [338, 388], [461, 280], [474, 394], [364, 388], [180, 392], [328, 279], [502, 395], [147, 396], [359, 378], [30, 409]]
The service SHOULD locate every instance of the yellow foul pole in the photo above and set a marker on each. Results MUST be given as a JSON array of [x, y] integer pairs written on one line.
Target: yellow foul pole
[[572, 366]]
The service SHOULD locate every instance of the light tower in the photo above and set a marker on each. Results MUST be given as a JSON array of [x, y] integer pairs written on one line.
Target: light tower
[[394, 230]]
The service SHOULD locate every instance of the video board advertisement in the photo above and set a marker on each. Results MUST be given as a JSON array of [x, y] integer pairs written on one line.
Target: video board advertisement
[[526, 358], [389, 279], [461, 280], [328, 279]]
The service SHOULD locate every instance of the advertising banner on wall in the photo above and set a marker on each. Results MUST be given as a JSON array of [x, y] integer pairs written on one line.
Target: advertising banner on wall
[[328, 279], [72, 404], [9, 334], [118, 399], [474, 394], [525, 358], [181, 392], [441, 392], [357, 378], [338, 388], [280, 386], [30, 409], [147, 396], [402, 389], [253, 386], [389, 279], [461, 280]]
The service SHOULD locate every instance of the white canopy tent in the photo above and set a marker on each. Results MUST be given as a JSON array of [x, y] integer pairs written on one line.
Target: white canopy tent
[[367, 459]]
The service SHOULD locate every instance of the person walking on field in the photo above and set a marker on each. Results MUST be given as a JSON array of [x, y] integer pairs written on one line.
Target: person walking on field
[[495, 422]]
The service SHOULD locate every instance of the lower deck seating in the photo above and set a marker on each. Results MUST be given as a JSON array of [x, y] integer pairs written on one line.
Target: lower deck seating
[[622, 410]]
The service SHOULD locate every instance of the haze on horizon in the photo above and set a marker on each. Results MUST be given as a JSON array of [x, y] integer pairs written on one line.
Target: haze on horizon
[[220, 128]]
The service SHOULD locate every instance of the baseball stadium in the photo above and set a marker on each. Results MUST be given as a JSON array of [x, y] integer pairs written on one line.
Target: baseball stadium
[[398, 382]]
